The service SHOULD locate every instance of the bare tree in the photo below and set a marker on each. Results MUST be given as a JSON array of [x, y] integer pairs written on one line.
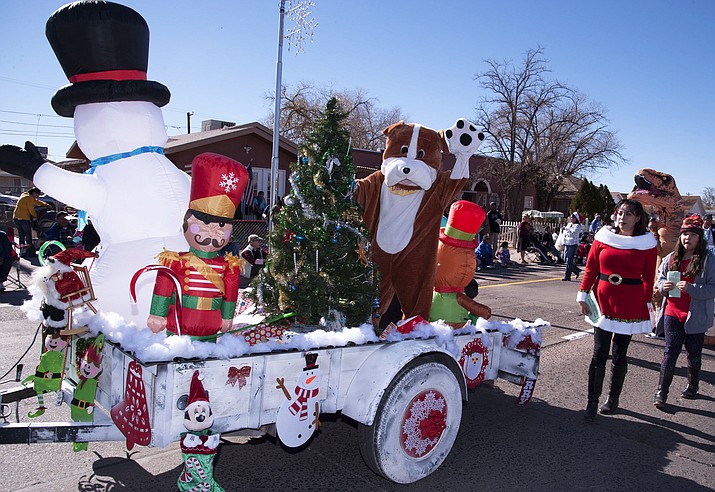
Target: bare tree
[[571, 139], [540, 130], [708, 197], [302, 103]]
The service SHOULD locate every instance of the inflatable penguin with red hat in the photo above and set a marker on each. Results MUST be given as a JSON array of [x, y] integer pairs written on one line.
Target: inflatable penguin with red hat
[[456, 263], [204, 282], [199, 444], [402, 206], [134, 195]]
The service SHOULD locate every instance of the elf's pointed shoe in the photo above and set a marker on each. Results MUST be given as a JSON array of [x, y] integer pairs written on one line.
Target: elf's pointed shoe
[[38, 411]]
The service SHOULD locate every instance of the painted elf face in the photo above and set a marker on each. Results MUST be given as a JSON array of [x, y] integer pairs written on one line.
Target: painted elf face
[[207, 237], [88, 369], [55, 344]]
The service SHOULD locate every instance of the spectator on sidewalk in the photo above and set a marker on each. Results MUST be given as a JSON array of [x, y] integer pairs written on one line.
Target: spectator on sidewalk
[[572, 236], [504, 255], [708, 231], [255, 254], [22, 217], [485, 253], [494, 218], [596, 224], [259, 205], [6, 258], [61, 230], [550, 244], [524, 232]]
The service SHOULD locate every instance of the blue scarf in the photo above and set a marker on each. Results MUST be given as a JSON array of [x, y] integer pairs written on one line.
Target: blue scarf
[[82, 214]]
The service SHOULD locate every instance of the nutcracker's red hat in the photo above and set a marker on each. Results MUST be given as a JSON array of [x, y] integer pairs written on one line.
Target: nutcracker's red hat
[[465, 219], [197, 392], [217, 185]]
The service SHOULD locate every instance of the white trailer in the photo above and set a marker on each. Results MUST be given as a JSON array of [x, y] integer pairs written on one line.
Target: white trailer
[[389, 388]]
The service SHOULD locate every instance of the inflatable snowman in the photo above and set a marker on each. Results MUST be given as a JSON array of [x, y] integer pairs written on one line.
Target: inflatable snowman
[[133, 194], [297, 418]]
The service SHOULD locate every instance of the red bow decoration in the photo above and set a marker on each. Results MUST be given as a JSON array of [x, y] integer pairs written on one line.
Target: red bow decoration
[[238, 375]]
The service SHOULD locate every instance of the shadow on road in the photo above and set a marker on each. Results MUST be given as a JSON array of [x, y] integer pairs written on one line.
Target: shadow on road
[[501, 446]]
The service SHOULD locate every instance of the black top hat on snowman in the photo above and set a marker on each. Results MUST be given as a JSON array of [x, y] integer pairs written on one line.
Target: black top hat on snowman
[[103, 48], [310, 361]]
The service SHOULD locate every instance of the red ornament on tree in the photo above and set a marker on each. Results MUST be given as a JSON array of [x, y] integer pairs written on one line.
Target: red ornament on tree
[[131, 415], [287, 236]]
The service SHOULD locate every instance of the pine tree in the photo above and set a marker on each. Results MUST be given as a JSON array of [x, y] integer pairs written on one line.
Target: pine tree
[[319, 264]]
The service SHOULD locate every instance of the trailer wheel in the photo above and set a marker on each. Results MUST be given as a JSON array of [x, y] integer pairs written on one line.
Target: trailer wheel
[[415, 425]]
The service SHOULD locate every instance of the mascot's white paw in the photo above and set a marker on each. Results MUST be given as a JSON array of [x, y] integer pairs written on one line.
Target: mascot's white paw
[[463, 140], [463, 137]]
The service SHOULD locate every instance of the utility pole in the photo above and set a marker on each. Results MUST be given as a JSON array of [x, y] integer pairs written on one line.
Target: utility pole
[[300, 15], [188, 121]]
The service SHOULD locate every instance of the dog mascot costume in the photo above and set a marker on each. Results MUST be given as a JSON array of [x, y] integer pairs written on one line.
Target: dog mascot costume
[[403, 204]]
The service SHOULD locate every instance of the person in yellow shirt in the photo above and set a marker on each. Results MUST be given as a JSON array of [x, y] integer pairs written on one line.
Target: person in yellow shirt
[[23, 215]]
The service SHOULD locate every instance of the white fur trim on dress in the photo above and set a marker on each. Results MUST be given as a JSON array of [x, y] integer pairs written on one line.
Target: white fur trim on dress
[[621, 327], [607, 235], [581, 296]]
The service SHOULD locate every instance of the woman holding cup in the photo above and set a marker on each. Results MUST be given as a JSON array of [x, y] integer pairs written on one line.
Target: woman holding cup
[[686, 278]]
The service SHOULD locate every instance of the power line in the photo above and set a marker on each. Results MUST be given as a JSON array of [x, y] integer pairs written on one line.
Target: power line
[[31, 114], [35, 124]]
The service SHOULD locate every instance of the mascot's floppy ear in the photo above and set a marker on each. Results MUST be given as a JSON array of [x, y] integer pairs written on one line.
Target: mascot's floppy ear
[[444, 147], [388, 131]]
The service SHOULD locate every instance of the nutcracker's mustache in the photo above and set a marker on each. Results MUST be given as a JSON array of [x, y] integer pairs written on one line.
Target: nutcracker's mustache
[[216, 243]]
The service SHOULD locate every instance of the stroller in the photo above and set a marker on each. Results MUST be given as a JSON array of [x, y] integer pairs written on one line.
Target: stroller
[[536, 252], [584, 246]]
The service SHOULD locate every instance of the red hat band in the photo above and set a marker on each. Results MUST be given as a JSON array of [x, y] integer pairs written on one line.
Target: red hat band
[[465, 219]]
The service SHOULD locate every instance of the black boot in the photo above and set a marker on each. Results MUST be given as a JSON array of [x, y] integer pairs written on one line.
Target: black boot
[[618, 376], [595, 386], [690, 392], [661, 396]]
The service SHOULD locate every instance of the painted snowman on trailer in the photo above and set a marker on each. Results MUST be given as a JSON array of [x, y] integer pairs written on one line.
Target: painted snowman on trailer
[[134, 195], [297, 418]]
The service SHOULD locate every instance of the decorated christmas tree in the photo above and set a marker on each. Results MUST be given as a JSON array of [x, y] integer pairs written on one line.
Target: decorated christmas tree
[[319, 265]]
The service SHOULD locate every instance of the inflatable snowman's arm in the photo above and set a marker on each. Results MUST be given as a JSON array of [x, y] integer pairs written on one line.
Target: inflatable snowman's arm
[[81, 191], [19, 162]]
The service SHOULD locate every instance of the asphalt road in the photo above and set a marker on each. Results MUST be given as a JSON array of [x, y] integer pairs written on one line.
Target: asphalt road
[[546, 445]]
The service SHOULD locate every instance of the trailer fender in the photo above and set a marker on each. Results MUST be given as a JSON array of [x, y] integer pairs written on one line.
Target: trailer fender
[[382, 366]]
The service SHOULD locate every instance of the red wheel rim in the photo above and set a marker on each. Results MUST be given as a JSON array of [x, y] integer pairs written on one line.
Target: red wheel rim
[[423, 423]]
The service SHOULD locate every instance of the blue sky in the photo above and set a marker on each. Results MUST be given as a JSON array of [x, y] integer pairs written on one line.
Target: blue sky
[[650, 63]]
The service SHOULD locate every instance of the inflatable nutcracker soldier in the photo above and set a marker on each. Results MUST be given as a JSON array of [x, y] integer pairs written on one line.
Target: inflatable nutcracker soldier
[[208, 282]]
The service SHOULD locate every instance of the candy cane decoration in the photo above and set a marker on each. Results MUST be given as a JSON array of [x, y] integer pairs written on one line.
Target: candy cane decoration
[[160, 270]]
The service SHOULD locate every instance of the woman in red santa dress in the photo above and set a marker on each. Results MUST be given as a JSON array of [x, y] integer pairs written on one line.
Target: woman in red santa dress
[[620, 269]]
